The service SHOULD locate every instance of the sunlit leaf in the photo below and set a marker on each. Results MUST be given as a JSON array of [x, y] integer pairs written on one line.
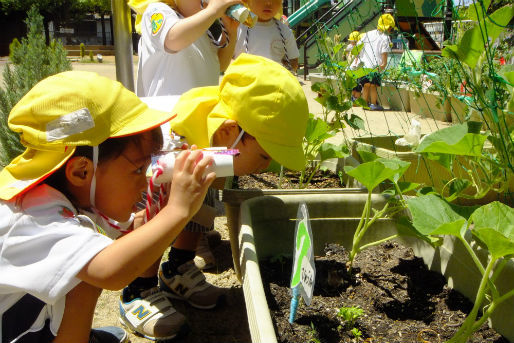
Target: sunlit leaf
[[429, 212]]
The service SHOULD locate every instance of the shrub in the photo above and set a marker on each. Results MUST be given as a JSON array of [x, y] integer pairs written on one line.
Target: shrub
[[36, 62], [14, 48], [82, 50], [91, 58]]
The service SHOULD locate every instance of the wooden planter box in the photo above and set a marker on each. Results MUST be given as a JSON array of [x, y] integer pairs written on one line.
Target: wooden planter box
[[421, 170], [394, 97], [267, 229], [459, 110], [430, 105]]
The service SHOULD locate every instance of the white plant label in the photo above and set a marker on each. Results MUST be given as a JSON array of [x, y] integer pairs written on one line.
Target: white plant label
[[304, 271]]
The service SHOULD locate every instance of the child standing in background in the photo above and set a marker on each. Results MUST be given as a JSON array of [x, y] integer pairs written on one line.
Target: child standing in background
[[270, 37], [183, 44]]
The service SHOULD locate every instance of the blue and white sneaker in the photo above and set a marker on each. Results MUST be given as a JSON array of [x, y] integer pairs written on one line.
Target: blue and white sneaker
[[152, 316], [376, 107]]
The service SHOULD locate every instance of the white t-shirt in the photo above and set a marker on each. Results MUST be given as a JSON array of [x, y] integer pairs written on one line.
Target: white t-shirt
[[375, 44], [43, 245], [264, 39], [164, 72]]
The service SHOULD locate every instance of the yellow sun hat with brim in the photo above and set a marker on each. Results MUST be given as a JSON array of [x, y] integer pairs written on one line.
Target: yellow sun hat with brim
[[139, 6], [66, 110], [355, 36], [385, 22], [263, 97]]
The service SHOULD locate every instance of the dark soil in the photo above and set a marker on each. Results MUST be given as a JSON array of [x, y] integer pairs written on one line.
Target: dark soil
[[403, 302], [290, 180]]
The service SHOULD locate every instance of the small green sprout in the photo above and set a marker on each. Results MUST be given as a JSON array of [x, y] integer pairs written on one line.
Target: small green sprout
[[350, 315]]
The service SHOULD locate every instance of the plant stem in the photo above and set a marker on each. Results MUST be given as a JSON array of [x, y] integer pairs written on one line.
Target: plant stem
[[369, 245], [467, 327]]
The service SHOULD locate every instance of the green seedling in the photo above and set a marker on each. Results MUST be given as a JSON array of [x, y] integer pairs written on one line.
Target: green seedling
[[356, 333], [314, 333], [318, 150], [350, 315], [491, 225], [371, 174]]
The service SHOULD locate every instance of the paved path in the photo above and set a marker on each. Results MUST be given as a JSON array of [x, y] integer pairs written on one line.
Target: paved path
[[376, 122]]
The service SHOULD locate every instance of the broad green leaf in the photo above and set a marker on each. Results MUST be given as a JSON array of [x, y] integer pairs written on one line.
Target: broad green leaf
[[399, 166], [317, 129], [443, 159], [329, 150], [456, 228], [356, 122], [405, 228], [407, 186], [430, 212], [320, 87], [358, 73], [509, 76], [367, 156], [475, 11], [356, 50], [496, 216], [370, 174], [361, 102], [497, 244], [336, 48], [453, 140]]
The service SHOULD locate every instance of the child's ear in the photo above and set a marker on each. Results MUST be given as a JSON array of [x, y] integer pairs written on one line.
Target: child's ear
[[226, 134], [79, 171]]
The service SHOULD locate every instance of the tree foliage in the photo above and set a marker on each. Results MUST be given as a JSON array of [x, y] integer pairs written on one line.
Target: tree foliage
[[33, 61]]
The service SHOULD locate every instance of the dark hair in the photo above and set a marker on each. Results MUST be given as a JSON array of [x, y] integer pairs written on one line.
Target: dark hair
[[109, 149]]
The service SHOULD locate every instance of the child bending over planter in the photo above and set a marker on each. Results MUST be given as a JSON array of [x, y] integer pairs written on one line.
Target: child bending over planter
[[260, 109], [88, 144]]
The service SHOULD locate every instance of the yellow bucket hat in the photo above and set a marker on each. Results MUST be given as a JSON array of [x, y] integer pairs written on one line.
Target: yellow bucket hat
[[66, 110], [354, 36], [263, 97], [385, 22]]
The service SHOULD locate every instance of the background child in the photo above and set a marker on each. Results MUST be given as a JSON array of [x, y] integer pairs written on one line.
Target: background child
[[353, 61], [373, 55], [270, 37], [89, 142], [182, 45], [259, 109]]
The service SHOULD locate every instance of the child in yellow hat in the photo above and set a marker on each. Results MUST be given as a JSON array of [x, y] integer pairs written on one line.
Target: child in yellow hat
[[183, 44], [260, 109], [270, 37], [88, 143], [373, 55]]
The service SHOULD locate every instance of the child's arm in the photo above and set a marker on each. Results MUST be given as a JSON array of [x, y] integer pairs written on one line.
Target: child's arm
[[186, 31], [225, 54], [294, 64], [127, 257]]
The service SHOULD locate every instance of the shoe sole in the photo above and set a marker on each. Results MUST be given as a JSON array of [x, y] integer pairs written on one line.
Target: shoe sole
[[181, 333]]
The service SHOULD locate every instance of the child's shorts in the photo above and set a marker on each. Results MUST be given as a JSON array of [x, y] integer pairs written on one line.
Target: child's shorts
[[375, 78]]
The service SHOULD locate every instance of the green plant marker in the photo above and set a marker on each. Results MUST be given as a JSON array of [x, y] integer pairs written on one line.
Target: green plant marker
[[304, 270]]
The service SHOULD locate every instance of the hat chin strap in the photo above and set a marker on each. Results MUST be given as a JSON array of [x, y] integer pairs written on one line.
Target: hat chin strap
[[92, 190], [237, 139]]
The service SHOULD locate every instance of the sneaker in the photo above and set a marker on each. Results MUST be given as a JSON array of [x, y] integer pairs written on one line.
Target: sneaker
[[204, 258], [376, 107], [108, 334], [190, 286], [152, 316]]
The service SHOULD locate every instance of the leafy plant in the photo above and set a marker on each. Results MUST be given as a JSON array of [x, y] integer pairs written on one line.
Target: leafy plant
[[492, 226], [371, 174], [474, 55], [314, 333], [82, 50], [317, 149], [356, 333], [33, 61], [350, 315]]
